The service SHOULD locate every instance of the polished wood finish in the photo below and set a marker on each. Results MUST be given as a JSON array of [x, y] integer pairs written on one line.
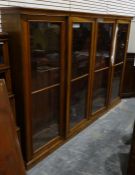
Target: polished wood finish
[[11, 161], [128, 87], [4, 61], [131, 163], [5, 70], [82, 72], [54, 13]]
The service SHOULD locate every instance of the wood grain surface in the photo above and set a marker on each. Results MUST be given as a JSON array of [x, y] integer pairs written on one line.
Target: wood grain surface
[[11, 162]]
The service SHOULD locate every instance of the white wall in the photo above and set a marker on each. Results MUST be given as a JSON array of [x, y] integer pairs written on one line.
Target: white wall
[[131, 46], [120, 7]]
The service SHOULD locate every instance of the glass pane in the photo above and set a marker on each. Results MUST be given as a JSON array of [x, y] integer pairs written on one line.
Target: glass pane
[[78, 101], [45, 54], [100, 90], [45, 116], [1, 54], [104, 45], [121, 42], [81, 48], [116, 81]]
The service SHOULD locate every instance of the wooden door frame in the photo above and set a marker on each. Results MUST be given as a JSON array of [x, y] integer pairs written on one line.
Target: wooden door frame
[[105, 21], [31, 155], [77, 127], [115, 101], [124, 63]]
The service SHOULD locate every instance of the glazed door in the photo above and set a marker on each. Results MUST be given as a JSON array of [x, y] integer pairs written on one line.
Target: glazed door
[[128, 87], [101, 65], [47, 81], [79, 61], [118, 59]]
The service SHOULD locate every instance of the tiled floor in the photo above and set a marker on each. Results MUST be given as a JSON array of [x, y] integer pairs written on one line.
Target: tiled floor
[[100, 149]]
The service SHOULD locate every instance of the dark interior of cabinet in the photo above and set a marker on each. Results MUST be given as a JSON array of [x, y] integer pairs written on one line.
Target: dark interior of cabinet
[[78, 102], [119, 63], [121, 43], [2, 75], [45, 112], [128, 89], [45, 84], [1, 54], [100, 90], [102, 65], [104, 45], [81, 41], [80, 65], [117, 73]]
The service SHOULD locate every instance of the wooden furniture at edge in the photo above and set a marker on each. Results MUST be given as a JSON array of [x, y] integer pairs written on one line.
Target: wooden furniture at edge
[[11, 161], [131, 164], [70, 72], [5, 71], [128, 89]]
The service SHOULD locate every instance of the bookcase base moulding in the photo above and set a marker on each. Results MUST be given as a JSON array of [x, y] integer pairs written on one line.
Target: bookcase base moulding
[[68, 70]]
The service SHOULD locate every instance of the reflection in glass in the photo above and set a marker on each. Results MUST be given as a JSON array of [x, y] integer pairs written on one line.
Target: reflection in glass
[[104, 45], [121, 42], [1, 54], [45, 112], [100, 90], [78, 101], [81, 48], [45, 54], [116, 82]]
